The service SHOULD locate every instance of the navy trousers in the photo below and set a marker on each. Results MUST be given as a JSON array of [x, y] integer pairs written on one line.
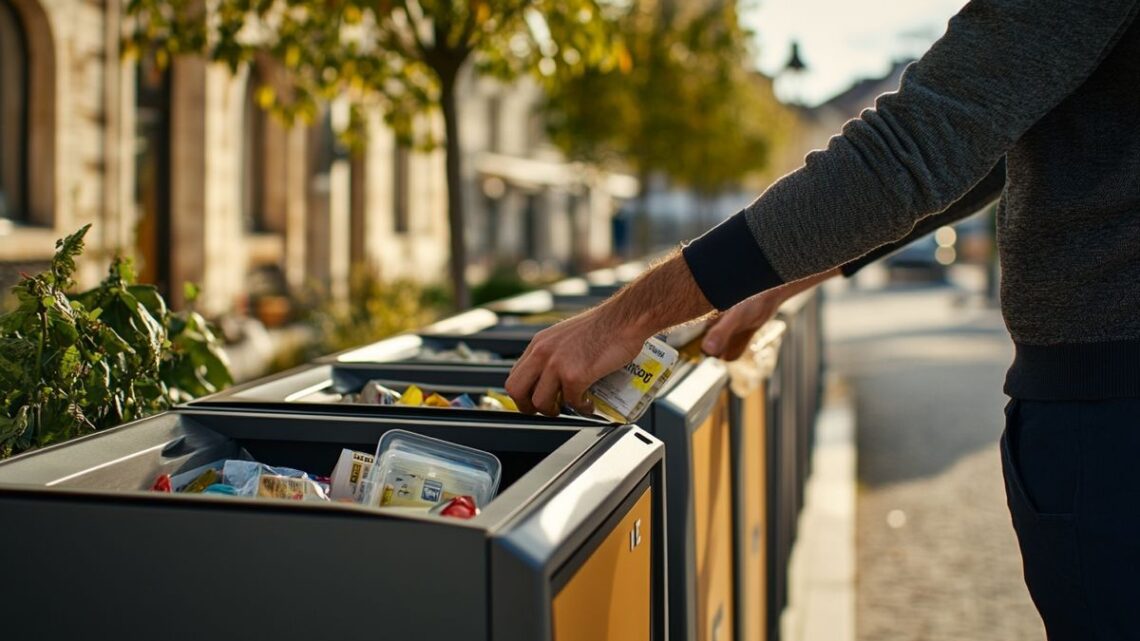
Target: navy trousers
[[1072, 479]]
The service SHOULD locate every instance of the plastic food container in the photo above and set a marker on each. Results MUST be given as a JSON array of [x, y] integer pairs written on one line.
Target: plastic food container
[[413, 470]]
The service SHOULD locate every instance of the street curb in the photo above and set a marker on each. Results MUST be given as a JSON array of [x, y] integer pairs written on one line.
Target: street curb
[[821, 576]]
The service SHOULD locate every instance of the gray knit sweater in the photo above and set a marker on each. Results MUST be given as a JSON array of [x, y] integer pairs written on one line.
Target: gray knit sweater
[[1050, 86]]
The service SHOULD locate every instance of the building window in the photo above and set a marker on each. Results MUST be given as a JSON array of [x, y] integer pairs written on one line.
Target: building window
[[530, 227], [400, 180], [358, 213], [494, 122], [13, 116], [152, 173], [253, 198]]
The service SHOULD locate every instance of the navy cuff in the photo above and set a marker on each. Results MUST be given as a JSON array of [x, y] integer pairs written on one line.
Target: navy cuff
[[728, 265]]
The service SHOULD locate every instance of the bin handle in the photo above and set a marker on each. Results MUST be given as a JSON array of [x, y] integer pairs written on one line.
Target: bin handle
[[176, 448]]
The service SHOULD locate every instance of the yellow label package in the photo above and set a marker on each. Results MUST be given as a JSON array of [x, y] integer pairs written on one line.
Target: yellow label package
[[350, 468], [624, 395]]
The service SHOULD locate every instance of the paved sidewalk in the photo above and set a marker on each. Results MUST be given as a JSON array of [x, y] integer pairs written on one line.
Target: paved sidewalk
[[821, 576], [936, 555]]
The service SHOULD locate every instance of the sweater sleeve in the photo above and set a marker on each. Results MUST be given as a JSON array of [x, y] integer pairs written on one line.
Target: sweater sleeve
[[1000, 67], [982, 194]]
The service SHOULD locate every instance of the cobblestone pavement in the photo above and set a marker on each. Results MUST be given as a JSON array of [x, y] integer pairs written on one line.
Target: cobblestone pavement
[[936, 555]]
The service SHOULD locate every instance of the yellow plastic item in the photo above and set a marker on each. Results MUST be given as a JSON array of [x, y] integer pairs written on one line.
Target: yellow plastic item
[[507, 401], [413, 396], [435, 400]]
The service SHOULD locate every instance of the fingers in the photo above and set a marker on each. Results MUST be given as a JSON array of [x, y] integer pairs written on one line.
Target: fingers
[[719, 334], [546, 393], [736, 346], [523, 379], [574, 394]]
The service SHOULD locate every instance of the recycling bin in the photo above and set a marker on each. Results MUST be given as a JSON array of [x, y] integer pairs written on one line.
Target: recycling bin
[[752, 417], [561, 299], [572, 545], [691, 417], [429, 348]]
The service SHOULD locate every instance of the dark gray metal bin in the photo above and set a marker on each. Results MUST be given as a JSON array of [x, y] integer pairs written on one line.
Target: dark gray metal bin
[[410, 348], [754, 426], [89, 554], [691, 417]]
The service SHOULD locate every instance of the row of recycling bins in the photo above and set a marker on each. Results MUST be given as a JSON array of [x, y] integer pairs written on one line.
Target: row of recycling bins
[[679, 527]]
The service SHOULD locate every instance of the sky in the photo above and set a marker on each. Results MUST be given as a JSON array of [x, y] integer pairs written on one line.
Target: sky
[[841, 41]]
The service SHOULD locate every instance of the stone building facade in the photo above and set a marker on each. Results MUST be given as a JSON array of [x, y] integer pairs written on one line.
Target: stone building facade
[[180, 168]]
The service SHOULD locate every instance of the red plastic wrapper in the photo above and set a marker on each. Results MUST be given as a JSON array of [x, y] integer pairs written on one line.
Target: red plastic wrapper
[[460, 507], [162, 484]]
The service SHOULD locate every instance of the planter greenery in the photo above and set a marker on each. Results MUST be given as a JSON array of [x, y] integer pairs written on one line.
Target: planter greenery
[[375, 309], [71, 363]]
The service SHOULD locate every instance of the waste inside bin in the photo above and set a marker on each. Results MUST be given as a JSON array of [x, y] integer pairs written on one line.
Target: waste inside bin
[[336, 389], [91, 553]]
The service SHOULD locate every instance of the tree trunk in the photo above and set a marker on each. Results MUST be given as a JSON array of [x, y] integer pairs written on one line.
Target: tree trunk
[[455, 218]]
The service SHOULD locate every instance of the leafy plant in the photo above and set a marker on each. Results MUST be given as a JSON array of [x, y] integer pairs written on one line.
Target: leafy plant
[[71, 364]]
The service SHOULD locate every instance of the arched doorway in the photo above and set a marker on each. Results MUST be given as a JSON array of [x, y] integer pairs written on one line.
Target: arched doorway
[[13, 114], [27, 113]]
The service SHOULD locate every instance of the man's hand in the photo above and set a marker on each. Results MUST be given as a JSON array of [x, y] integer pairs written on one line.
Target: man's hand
[[729, 333], [563, 361]]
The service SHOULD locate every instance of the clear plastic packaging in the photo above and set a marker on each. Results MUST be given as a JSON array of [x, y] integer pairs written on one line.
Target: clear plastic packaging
[[415, 471]]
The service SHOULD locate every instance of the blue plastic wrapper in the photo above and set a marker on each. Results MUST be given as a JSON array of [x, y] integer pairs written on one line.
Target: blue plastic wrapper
[[220, 488], [244, 476], [463, 401]]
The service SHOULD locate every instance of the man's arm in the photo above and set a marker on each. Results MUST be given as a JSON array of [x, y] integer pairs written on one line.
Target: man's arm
[[1000, 67], [984, 193]]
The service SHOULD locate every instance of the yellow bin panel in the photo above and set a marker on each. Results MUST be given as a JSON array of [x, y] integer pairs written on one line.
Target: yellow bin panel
[[608, 598], [753, 438], [712, 498]]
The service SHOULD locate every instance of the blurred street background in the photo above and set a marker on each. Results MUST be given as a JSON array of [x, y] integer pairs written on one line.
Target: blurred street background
[[316, 178], [936, 557]]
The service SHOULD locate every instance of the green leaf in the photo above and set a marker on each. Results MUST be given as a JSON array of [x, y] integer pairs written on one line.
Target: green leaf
[[190, 292]]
